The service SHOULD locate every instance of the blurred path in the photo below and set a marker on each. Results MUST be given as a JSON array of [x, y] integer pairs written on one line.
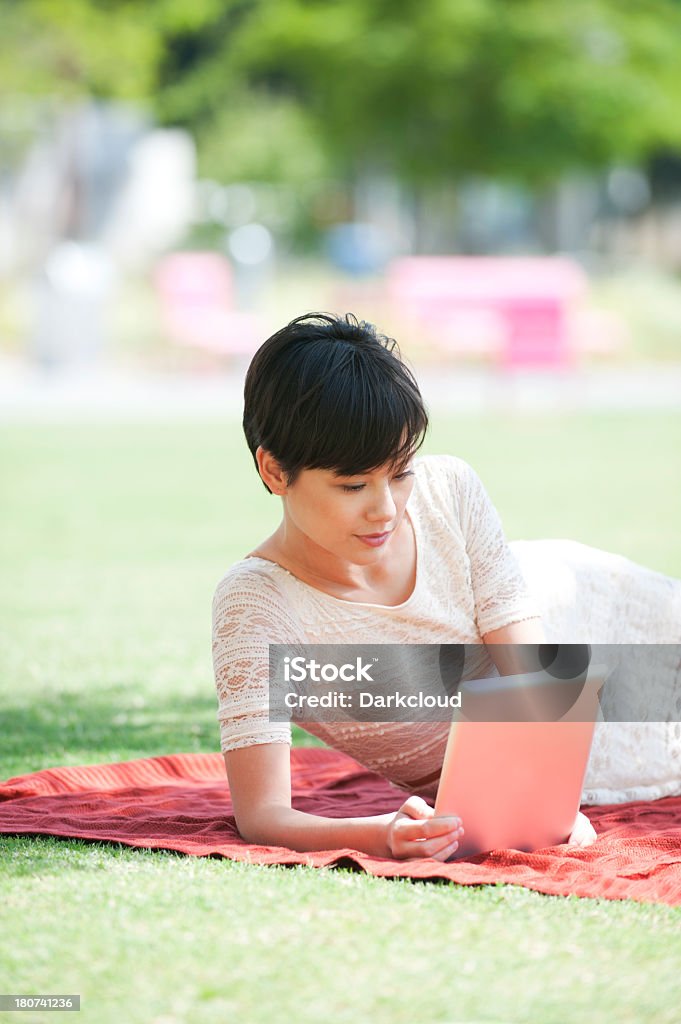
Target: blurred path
[[27, 395]]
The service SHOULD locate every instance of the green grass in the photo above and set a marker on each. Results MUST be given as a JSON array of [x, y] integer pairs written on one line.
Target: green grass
[[112, 540], [146, 937]]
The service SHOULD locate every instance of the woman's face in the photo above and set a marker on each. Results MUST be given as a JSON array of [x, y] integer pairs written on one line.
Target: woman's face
[[350, 517]]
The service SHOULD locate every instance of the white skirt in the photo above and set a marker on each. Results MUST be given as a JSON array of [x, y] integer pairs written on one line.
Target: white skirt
[[589, 596]]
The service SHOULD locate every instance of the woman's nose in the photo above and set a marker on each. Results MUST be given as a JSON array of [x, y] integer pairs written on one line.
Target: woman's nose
[[383, 506]]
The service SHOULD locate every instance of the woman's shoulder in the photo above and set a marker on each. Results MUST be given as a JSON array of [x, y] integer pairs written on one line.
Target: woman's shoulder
[[251, 601], [248, 584]]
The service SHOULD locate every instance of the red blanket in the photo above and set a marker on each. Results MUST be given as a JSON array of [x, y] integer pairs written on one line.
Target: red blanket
[[181, 802]]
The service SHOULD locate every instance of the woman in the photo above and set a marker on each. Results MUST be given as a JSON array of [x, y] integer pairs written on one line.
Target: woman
[[374, 545]]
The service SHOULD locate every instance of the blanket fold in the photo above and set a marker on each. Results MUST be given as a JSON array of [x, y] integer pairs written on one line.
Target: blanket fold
[[181, 802]]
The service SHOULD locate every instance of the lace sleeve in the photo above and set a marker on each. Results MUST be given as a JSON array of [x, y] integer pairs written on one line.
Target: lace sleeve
[[249, 613], [500, 592]]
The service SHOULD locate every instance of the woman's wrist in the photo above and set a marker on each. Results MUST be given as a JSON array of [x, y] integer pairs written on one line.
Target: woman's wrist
[[307, 833]]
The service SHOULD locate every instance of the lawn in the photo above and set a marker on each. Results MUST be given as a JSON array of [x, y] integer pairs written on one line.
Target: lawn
[[113, 537]]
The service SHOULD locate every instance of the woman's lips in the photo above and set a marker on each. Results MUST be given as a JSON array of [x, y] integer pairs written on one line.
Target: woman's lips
[[374, 540]]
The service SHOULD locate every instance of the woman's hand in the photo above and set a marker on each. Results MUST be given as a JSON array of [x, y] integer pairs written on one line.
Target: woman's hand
[[583, 833], [416, 832]]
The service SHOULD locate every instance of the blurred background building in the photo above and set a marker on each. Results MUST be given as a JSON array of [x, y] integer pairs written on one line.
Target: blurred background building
[[496, 185]]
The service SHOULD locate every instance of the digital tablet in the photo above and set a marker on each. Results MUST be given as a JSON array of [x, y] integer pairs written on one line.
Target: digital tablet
[[516, 784]]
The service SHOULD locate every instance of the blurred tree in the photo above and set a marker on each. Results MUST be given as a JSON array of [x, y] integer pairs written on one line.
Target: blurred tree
[[64, 50], [518, 88], [174, 57], [522, 89]]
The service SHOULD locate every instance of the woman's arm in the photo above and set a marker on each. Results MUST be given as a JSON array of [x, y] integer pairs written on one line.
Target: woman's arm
[[260, 785], [249, 614], [514, 648]]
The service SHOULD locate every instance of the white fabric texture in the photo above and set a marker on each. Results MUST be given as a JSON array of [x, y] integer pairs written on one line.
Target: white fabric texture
[[591, 596], [469, 581]]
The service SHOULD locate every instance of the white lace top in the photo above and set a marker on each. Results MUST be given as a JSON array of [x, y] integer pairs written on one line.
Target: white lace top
[[469, 581]]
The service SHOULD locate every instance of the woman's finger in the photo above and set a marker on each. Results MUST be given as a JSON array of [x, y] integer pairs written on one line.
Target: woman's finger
[[445, 854], [432, 847], [587, 837], [416, 807], [583, 833], [410, 830]]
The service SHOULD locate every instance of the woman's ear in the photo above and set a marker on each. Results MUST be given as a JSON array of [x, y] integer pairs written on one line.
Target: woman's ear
[[271, 472]]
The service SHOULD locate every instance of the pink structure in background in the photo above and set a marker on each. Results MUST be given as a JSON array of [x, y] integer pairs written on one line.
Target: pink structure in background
[[197, 304], [513, 308]]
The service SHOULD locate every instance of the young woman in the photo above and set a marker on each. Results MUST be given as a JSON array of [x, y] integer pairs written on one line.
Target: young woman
[[379, 545]]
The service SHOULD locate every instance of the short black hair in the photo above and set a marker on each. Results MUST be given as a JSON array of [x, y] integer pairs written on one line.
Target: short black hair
[[330, 392]]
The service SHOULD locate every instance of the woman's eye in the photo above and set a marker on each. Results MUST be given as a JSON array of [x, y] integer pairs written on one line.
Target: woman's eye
[[354, 488]]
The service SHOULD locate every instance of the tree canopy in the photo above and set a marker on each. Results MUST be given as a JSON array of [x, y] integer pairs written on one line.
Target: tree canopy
[[521, 89]]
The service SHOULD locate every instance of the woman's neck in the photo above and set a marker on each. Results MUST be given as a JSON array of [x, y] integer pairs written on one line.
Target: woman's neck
[[389, 580]]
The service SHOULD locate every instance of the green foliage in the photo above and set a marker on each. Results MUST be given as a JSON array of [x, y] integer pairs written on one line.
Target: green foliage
[[258, 137], [520, 89], [523, 89], [67, 50]]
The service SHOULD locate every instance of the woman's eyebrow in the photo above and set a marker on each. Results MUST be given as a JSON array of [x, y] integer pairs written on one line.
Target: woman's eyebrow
[[403, 464], [394, 469]]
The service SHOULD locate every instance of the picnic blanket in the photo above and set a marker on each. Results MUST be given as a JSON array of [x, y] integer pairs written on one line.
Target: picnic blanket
[[181, 802]]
